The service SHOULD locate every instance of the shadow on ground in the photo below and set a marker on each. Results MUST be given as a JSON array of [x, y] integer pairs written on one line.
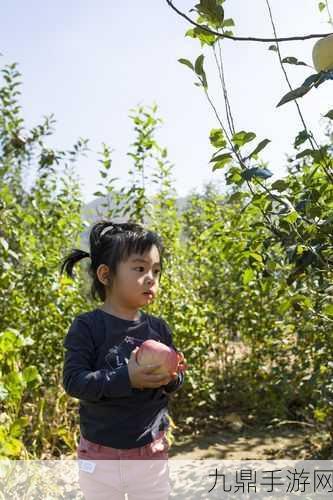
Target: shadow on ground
[[248, 444]]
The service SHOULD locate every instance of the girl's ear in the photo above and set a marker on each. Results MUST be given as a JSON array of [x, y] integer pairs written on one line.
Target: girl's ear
[[104, 275]]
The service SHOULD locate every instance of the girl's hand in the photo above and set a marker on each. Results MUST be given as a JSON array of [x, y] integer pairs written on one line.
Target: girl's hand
[[182, 362], [181, 368], [142, 377]]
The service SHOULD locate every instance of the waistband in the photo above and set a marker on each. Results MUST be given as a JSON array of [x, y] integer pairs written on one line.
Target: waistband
[[98, 451]]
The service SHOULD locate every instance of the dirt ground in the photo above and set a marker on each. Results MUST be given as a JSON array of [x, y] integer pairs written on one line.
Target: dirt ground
[[292, 442]]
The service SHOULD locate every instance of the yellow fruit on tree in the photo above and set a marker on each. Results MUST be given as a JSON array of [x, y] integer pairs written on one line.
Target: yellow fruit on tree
[[322, 54]]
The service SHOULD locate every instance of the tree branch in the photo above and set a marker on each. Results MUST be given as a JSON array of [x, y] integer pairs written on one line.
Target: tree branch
[[241, 38], [286, 77]]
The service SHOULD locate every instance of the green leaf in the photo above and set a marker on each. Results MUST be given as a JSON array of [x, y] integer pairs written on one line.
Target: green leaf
[[242, 137], [284, 306], [3, 392], [291, 217], [220, 157], [187, 63], [328, 309], [217, 138], [329, 114], [12, 447], [318, 154], [198, 66], [18, 425], [311, 80], [30, 374], [222, 161], [204, 36], [204, 80], [301, 137], [262, 144], [4, 244], [256, 256], [320, 414], [280, 185], [293, 94], [324, 76], [190, 33], [237, 196], [321, 6], [248, 276], [305, 152], [228, 22], [10, 340], [234, 176], [211, 10], [263, 173]]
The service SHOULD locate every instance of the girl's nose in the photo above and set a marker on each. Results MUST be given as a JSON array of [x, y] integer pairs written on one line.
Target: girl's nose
[[150, 277]]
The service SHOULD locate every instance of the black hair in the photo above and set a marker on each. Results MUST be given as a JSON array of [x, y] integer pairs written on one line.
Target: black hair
[[111, 243]]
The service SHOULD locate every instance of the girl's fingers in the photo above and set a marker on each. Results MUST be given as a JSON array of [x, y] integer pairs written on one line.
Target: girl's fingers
[[150, 369], [151, 377], [153, 385], [154, 382], [180, 357]]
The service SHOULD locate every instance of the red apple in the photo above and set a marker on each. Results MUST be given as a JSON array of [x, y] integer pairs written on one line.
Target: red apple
[[152, 352]]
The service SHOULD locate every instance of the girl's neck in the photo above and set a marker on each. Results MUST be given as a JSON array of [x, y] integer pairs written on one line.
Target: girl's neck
[[120, 312]]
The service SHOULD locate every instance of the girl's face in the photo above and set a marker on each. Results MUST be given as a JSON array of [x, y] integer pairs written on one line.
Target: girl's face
[[137, 279]]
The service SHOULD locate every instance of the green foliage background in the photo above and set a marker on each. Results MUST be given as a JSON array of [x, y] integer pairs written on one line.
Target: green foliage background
[[241, 269]]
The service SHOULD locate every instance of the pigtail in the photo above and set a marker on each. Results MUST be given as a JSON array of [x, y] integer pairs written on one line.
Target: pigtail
[[70, 260]]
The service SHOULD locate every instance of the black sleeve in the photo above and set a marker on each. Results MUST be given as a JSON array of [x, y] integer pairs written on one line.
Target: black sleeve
[[80, 380], [174, 385]]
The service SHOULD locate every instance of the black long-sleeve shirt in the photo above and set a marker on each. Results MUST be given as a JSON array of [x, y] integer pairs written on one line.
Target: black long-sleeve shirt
[[112, 412]]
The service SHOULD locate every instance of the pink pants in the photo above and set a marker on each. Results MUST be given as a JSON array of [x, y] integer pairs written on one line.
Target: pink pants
[[106, 473]]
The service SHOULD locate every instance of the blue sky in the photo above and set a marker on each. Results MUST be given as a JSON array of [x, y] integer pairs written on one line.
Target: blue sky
[[89, 63]]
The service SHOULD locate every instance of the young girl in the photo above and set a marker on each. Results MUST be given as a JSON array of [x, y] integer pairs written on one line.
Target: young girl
[[123, 407]]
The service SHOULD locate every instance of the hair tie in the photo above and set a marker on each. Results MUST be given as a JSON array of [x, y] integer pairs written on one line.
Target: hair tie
[[106, 229]]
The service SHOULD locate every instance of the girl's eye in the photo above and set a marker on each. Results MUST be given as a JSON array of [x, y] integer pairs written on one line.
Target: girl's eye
[[141, 270]]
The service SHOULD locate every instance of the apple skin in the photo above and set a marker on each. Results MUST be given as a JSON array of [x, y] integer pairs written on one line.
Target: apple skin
[[322, 54], [153, 352]]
